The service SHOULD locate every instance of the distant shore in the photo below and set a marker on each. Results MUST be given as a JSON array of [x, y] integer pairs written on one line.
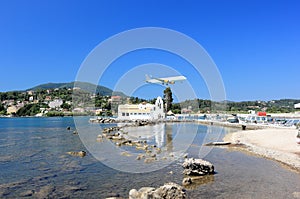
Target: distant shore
[[275, 143]]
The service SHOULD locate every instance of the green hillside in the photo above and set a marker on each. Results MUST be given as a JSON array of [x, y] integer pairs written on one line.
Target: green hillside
[[104, 91]]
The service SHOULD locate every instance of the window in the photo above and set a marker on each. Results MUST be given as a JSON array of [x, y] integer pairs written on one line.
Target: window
[[127, 114], [123, 114]]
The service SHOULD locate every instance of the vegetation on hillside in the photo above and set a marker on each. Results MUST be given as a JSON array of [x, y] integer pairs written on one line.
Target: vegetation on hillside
[[30, 103], [30, 109], [91, 88]]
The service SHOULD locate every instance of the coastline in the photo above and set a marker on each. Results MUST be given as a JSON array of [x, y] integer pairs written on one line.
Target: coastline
[[273, 143]]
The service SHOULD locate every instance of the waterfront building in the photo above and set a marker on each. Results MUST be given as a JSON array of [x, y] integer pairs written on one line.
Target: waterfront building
[[142, 111]]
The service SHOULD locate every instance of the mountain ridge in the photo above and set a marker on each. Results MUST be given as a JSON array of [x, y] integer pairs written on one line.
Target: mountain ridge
[[92, 88]]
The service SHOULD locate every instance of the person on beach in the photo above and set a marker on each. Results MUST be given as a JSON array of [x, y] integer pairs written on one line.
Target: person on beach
[[298, 137]]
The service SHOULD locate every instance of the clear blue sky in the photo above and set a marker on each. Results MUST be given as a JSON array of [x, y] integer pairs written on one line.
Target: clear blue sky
[[254, 43]]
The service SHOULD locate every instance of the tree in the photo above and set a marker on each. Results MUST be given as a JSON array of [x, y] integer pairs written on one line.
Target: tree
[[168, 98], [29, 110], [65, 106], [2, 109]]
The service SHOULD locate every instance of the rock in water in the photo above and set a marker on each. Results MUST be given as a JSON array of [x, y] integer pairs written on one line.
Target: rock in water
[[74, 153], [144, 192], [187, 181], [197, 167], [170, 190], [27, 193], [167, 191], [149, 160]]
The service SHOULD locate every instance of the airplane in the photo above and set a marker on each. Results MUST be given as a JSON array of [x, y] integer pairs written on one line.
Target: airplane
[[164, 80]]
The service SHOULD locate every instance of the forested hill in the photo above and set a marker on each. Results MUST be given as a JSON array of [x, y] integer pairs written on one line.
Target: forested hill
[[104, 91], [273, 106]]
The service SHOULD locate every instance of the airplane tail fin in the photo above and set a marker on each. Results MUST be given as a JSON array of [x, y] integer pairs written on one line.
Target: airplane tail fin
[[147, 77]]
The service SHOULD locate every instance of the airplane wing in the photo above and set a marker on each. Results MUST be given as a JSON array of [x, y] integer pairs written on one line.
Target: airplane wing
[[154, 81]]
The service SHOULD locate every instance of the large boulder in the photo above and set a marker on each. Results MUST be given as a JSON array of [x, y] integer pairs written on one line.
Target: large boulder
[[167, 191], [197, 167]]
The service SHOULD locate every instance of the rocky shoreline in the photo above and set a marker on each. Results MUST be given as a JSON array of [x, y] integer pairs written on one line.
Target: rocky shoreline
[[118, 136], [194, 169], [116, 120]]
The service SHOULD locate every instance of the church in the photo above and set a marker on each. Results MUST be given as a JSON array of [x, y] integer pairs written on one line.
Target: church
[[143, 111]]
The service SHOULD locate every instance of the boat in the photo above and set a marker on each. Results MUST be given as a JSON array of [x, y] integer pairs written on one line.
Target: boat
[[217, 143]]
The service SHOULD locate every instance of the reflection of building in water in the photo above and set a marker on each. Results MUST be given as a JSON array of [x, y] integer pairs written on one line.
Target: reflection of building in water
[[169, 140], [159, 131], [163, 136], [159, 134], [143, 111]]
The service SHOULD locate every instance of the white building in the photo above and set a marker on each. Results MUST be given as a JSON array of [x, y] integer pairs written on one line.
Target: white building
[[56, 103], [143, 111], [12, 109], [297, 105]]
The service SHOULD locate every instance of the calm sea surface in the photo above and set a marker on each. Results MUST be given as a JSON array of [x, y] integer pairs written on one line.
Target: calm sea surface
[[34, 162]]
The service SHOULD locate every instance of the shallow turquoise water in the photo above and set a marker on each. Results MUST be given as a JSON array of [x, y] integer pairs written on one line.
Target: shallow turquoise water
[[34, 163]]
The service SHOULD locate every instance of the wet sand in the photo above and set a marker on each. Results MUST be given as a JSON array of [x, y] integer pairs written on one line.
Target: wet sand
[[275, 143]]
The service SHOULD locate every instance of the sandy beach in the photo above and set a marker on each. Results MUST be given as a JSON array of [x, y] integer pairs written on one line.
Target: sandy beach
[[275, 143]]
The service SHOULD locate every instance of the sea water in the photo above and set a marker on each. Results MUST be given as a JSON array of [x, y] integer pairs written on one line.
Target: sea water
[[34, 162]]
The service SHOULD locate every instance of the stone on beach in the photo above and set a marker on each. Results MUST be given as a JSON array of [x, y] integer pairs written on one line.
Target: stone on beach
[[167, 191], [197, 167]]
